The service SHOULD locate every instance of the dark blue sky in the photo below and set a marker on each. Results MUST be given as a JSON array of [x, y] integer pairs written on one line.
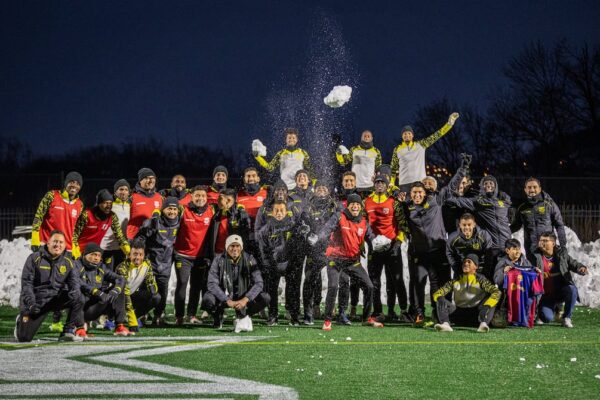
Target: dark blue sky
[[223, 72]]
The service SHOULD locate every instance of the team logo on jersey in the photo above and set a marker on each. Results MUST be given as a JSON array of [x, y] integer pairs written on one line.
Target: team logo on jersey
[[500, 203], [542, 209], [476, 246], [74, 213], [156, 204], [360, 231], [260, 198], [98, 279], [62, 269], [206, 221], [386, 210]]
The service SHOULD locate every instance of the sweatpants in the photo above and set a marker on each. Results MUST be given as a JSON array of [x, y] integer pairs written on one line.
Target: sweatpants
[[293, 278], [94, 309], [311, 291], [143, 301], [352, 268], [214, 306], [447, 311], [433, 266], [391, 261], [162, 281], [567, 294], [194, 271], [28, 325]]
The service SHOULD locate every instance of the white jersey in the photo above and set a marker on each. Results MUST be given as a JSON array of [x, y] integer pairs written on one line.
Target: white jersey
[[363, 165], [411, 163], [122, 210]]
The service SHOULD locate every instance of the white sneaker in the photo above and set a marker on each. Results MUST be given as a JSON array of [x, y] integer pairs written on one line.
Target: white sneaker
[[237, 328], [483, 328], [567, 322], [445, 327], [538, 321], [204, 315], [70, 337]]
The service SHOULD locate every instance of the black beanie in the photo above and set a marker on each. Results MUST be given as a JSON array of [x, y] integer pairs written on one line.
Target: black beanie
[[170, 202], [74, 176], [144, 173], [119, 183], [220, 168], [103, 195], [384, 169], [280, 184], [381, 178], [92, 248], [472, 257], [407, 128], [301, 171], [353, 198]]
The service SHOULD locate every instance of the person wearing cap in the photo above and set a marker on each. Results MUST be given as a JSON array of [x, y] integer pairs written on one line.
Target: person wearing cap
[[364, 160], [386, 218], [145, 201], [191, 261], [50, 282], [141, 290], [58, 210], [178, 189], [159, 234], [289, 160], [113, 255], [234, 281], [96, 224], [346, 233], [475, 299], [103, 290], [276, 238], [321, 207], [229, 219], [469, 239], [491, 208], [220, 178], [408, 158]]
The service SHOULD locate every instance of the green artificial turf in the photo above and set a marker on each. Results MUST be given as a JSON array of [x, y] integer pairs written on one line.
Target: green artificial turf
[[400, 361]]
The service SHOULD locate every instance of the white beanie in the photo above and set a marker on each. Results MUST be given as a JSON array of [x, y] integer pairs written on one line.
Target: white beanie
[[233, 239]]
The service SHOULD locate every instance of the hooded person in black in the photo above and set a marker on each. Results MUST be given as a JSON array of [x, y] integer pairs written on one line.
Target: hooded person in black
[[159, 234], [229, 219], [220, 179]]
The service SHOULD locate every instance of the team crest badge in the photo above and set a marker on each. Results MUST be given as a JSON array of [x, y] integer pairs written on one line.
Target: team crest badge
[[476, 246], [542, 209], [156, 204], [260, 198], [62, 269], [98, 279], [206, 221], [74, 213], [360, 231], [386, 211], [500, 203]]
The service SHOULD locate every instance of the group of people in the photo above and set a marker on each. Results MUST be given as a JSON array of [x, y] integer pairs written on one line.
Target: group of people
[[233, 246]]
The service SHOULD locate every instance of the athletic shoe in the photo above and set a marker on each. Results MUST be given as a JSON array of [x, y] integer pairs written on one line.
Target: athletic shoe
[[445, 327], [109, 325], [122, 331], [294, 321], [567, 322], [308, 320], [81, 332], [69, 337], [158, 321], [56, 327], [405, 316], [316, 312], [263, 313], [343, 319], [419, 319], [374, 322], [327, 325], [218, 321], [141, 322], [133, 330], [287, 315], [194, 320], [272, 321], [538, 321], [483, 328], [179, 321], [392, 316], [204, 315]]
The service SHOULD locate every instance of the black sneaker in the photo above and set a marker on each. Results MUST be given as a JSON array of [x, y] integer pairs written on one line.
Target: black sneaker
[[308, 320], [294, 320], [272, 321], [343, 319], [218, 321]]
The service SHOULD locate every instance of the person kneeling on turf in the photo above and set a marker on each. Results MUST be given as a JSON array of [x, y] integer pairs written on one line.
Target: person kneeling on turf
[[475, 298], [103, 289], [49, 282], [234, 281]]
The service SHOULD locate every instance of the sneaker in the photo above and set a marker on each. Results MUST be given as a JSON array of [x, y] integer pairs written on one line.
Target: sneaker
[[141, 322], [218, 321], [294, 321], [308, 320], [109, 325], [56, 327], [82, 333], [204, 315], [272, 321], [263, 313], [69, 337], [567, 322], [121, 330], [374, 322], [483, 328], [158, 321], [445, 327], [133, 330], [538, 321], [405, 316], [194, 320], [420, 319], [287, 315], [316, 312], [179, 321], [343, 319], [327, 325]]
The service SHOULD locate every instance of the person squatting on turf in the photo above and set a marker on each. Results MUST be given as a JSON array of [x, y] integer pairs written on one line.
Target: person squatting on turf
[[234, 281]]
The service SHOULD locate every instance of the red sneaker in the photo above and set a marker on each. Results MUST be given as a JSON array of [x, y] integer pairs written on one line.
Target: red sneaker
[[327, 325], [81, 333], [374, 323], [419, 319], [121, 330]]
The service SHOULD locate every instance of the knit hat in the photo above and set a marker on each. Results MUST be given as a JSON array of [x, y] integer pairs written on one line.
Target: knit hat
[[384, 169], [381, 178], [353, 198], [472, 257], [300, 171], [233, 239], [103, 195], [280, 184], [92, 248], [144, 173], [74, 176], [170, 202], [220, 168], [407, 128], [119, 183]]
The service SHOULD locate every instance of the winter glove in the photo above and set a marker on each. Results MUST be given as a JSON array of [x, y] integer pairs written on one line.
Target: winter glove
[[75, 251], [33, 309], [452, 118], [465, 161], [343, 150], [113, 294], [312, 239], [381, 243], [258, 149], [35, 240], [103, 298], [304, 229]]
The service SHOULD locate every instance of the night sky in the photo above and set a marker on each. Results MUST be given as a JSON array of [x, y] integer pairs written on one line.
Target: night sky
[[221, 73]]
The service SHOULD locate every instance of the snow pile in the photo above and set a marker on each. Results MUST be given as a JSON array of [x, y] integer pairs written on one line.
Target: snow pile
[[338, 96], [12, 258]]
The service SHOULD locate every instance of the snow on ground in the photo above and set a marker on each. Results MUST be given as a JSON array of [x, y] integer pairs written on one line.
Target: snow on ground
[[14, 253], [338, 96]]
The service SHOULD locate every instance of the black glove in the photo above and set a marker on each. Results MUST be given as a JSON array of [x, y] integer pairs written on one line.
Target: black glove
[[33, 309], [465, 160], [35, 248], [103, 298], [304, 229], [113, 294]]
